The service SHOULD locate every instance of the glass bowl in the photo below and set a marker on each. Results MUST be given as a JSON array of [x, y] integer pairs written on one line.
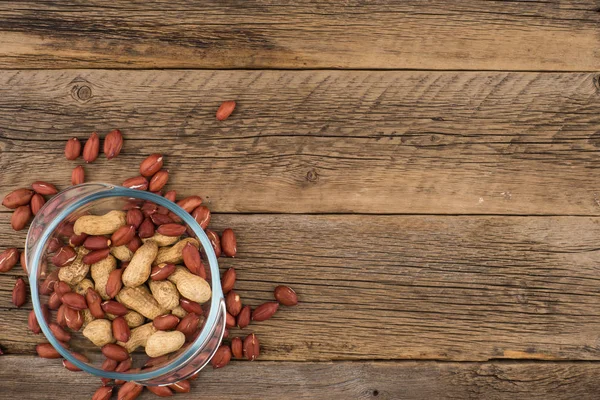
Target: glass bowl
[[99, 198]]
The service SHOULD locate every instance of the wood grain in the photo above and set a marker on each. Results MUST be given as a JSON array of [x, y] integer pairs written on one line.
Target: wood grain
[[322, 141], [469, 34], [340, 380], [406, 287]]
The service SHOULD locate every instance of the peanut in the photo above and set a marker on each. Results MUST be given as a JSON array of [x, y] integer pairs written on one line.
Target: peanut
[[87, 317], [99, 332], [229, 242], [77, 270], [100, 224], [115, 352], [129, 390], [165, 293], [179, 312], [73, 318], [162, 240], [82, 287], [251, 347], [222, 357], [151, 165], [121, 330], [121, 253], [46, 350], [191, 306], [140, 300], [160, 391], [164, 322], [103, 393], [64, 256], [95, 256], [191, 286], [134, 319], [114, 283], [225, 110], [113, 142], [162, 271], [114, 307], [72, 149], [161, 343], [60, 333], [138, 270], [139, 337], [100, 272], [94, 302], [78, 240], [174, 254], [74, 300], [183, 386]]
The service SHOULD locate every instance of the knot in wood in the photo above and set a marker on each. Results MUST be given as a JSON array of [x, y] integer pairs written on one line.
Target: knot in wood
[[312, 175], [81, 90], [84, 93]]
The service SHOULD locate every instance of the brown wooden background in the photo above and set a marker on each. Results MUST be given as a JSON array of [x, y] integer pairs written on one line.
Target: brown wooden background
[[424, 174]]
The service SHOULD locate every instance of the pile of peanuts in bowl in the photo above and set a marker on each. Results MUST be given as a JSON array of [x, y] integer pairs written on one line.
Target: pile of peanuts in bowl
[[132, 277]]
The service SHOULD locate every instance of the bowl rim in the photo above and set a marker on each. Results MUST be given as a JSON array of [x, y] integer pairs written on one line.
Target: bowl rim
[[106, 190]]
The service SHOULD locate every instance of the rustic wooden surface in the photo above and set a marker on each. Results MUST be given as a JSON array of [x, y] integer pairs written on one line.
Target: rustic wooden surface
[[325, 141], [423, 173], [340, 380], [467, 34], [408, 287]]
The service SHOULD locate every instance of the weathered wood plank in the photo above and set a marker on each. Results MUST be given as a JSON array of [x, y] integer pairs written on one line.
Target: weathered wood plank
[[324, 141], [469, 34], [341, 380], [407, 287]]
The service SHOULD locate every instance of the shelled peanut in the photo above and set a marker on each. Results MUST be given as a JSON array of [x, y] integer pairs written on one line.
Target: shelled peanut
[[240, 316]]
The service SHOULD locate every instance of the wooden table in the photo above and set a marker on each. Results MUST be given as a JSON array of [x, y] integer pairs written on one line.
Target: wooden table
[[424, 174]]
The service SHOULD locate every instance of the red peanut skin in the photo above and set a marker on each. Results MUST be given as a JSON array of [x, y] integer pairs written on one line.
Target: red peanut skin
[[130, 391], [161, 391], [225, 110], [115, 352]]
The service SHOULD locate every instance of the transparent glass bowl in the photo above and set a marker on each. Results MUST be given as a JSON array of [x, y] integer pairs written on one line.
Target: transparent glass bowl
[[99, 198]]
